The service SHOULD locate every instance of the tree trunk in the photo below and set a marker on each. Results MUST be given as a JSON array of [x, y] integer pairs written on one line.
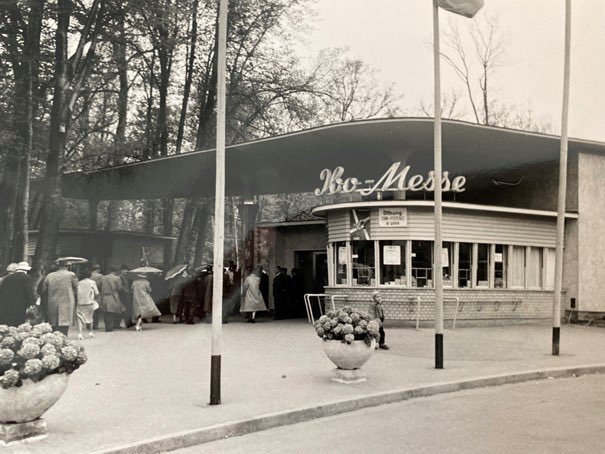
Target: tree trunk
[[51, 211], [119, 48], [185, 234]]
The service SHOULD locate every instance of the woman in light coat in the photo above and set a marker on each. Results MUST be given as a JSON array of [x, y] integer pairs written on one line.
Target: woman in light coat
[[142, 302], [88, 294], [253, 298]]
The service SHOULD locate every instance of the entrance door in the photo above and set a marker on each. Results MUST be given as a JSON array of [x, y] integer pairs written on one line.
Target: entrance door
[[313, 270]]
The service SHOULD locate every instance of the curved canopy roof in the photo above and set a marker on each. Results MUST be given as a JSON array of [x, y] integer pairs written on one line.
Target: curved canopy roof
[[292, 162]]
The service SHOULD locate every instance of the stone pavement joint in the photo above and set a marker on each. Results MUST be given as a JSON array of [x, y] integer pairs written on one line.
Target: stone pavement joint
[[269, 421]]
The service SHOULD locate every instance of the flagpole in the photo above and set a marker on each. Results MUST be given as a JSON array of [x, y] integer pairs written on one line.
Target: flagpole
[[556, 327], [437, 268], [219, 209]]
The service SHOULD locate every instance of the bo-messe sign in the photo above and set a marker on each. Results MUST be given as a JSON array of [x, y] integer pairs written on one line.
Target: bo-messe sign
[[393, 179]]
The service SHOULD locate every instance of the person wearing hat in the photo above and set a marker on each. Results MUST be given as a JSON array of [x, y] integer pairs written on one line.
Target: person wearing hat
[[376, 311], [10, 269], [16, 295], [143, 305], [61, 290]]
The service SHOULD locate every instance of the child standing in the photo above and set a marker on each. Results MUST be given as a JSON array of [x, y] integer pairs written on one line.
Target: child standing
[[377, 311]]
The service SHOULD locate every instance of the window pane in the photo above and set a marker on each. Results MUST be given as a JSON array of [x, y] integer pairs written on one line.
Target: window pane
[[422, 263], [549, 268], [534, 263], [465, 257], [340, 259], [500, 266], [518, 267], [447, 258], [362, 255], [483, 265], [392, 262]]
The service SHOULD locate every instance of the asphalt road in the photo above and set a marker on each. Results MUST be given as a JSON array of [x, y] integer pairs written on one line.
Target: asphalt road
[[547, 416]]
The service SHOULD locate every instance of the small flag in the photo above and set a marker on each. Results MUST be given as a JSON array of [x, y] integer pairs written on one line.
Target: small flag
[[467, 8]]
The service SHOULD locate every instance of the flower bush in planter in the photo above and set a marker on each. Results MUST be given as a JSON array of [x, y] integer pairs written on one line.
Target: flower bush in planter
[[347, 325], [35, 352]]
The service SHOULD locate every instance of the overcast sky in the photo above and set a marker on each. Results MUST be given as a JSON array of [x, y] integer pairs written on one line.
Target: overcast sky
[[395, 37]]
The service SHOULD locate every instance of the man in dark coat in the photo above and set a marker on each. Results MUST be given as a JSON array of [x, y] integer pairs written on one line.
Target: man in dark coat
[[264, 285], [280, 293], [16, 295]]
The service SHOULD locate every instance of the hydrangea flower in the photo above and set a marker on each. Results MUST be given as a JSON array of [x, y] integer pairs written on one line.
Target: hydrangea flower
[[32, 367], [12, 330], [48, 349], [358, 330], [51, 362], [327, 326], [6, 356], [348, 320], [320, 332], [52, 339], [362, 324], [323, 319], [355, 317], [3, 329], [348, 329], [69, 353], [24, 328], [8, 341], [338, 329], [29, 350], [21, 336], [373, 327], [10, 378], [349, 338], [333, 322], [44, 328]]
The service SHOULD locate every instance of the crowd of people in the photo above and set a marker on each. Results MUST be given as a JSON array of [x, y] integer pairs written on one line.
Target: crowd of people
[[124, 299]]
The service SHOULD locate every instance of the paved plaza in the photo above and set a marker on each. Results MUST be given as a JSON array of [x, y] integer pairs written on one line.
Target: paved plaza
[[139, 386]]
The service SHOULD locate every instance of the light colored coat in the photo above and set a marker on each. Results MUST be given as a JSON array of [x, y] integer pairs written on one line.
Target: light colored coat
[[253, 298], [142, 302], [61, 288], [111, 287]]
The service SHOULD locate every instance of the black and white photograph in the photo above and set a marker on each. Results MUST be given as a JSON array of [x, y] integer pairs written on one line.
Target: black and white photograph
[[302, 226]]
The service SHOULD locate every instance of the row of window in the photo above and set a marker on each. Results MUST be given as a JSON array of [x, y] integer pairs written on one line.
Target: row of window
[[465, 265]]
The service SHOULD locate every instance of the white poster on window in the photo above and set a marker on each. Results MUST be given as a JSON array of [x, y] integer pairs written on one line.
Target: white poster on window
[[391, 255], [342, 255], [392, 217], [445, 257], [498, 257]]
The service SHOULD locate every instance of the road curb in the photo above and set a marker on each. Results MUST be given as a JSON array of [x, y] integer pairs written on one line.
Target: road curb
[[283, 418]]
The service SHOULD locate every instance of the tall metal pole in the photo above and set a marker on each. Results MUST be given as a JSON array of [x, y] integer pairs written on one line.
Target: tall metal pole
[[556, 327], [437, 268], [219, 209]]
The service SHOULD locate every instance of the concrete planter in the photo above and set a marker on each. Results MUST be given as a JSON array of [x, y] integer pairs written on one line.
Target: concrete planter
[[348, 356], [30, 401]]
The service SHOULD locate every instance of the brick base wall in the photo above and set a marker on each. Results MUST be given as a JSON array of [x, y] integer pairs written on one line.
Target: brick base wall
[[474, 304]]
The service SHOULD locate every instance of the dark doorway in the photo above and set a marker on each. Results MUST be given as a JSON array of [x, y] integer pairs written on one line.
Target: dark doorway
[[313, 270]]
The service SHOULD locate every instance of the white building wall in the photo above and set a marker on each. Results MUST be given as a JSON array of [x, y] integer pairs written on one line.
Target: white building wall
[[591, 232]]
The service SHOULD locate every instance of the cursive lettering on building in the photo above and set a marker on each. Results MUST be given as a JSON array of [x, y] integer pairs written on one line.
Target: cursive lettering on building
[[393, 179]]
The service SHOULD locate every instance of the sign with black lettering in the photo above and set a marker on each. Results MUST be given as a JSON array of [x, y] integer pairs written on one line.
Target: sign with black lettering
[[392, 217]]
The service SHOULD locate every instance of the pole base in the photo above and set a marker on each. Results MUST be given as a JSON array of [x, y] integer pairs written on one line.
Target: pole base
[[556, 338], [215, 380], [439, 351]]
